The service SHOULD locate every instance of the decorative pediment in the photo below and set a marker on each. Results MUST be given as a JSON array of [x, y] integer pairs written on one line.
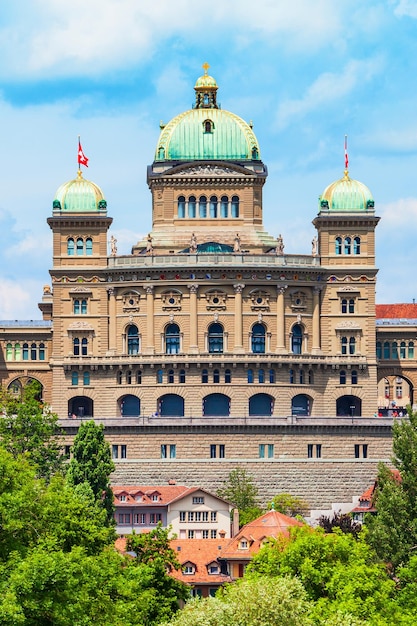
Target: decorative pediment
[[348, 325], [207, 170], [259, 300], [77, 291], [171, 300], [216, 300], [298, 300], [80, 326]]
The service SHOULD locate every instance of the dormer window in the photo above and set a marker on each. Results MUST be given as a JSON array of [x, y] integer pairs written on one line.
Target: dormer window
[[122, 498], [189, 568], [208, 126], [213, 568], [243, 544], [154, 497]]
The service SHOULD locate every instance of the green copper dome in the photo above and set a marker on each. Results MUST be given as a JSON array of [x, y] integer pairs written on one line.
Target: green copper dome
[[346, 195], [79, 196], [206, 132]]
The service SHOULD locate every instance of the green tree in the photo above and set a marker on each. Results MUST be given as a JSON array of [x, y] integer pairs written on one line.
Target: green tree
[[342, 521], [257, 601], [241, 491], [91, 463], [29, 427], [289, 505], [393, 530]]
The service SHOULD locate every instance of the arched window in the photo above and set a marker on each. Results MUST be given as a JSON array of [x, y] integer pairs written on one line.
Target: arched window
[[227, 376], [292, 377], [349, 405], [357, 245], [9, 352], [344, 343], [204, 376], [387, 350], [70, 247], [213, 206], [171, 377], [172, 339], [83, 307], [216, 404], [25, 351], [181, 207], [300, 405], [342, 377], [261, 376], [84, 346], [171, 405], [348, 245], [160, 377], [301, 377], [130, 406], [344, 305], [17, 353], [33, 352], [258, 339], [216, 376], [208, 126], [411, 349], [182, 377], [41, 352], [74, 378], [139, 377], [351, 305], [402, 350], [86, 378], [128, 377], [235, 206], [224, 206], [80, 406], [271, 376], [250, 376], [378, 350], [352, 345], [76, 307], [132, 339], [192, 207], [297, 339], [119, 377], [80, 246], [202, 206], [354, 377], [89, 246], [338, 245], [394, 350], [261, 404], [215, 338]]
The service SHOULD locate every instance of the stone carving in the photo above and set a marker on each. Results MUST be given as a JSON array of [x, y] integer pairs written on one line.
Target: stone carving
[[236, 244], [102, 204], [280, 246], [207, 169], [113, 245], [149, 244], [314, 246], [193, 244]]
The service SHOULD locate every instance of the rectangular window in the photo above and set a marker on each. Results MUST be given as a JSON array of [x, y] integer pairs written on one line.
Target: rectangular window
[[115, 451], [213, 516], [270, 450], [361, 450], [204, 516], [163, 451], [221, 451], [213, 534], [67, 451], [314, 450], [198, 500], [213, 451], [142, 518], [123, 451], [197, 516], [261, 450], [172, 451], [154, 518], [182, 516], [205, 534], [191, 534], [190, 516], [266, 450]]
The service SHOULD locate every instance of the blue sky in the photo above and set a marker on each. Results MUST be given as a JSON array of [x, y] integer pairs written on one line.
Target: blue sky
[[306, 73]]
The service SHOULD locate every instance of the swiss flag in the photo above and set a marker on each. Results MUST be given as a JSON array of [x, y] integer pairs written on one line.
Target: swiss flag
[[82, 159]]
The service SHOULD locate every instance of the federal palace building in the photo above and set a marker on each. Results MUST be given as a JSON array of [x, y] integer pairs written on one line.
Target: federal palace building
[[209, 347]]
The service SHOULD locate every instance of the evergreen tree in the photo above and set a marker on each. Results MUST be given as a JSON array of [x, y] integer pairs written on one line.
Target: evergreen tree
[[241, 491], [91, 463], [393, 530]]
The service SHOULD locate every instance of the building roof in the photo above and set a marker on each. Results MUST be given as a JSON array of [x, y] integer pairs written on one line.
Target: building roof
[[201, 553], [396, 311], [167, 494], [79, 196], [271, 524], [366, 499], [346, 194]]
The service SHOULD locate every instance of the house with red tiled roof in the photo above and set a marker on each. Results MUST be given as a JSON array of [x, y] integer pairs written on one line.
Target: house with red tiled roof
[[193, 513], [365, 503], [250, 539]]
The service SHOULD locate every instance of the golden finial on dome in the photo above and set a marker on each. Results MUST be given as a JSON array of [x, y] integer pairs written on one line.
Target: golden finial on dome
[[206, 67], [80, 174]]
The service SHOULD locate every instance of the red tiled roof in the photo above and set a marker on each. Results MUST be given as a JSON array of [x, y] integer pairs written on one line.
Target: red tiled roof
[[368, 495], [201, 553], [167, 494], [271, 524], [396, 311]]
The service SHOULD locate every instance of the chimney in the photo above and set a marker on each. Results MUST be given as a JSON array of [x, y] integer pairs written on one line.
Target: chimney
[[172, 481], [235, 523]]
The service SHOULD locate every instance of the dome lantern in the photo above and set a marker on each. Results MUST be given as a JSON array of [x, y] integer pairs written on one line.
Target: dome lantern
[[79, 196], [206, 91], [346, 195]]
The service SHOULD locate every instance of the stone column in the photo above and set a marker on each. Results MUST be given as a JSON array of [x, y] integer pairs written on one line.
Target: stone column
[[280, 349], [150, 327], [193, 347], [238, 287], [316, 347], [112, 345]]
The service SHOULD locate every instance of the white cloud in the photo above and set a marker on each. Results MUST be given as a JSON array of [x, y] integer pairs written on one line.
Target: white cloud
[[328, 88], [406, 7], [18, 300]]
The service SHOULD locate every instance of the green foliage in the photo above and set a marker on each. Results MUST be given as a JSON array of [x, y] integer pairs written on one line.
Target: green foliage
[[393, 531], [241, 491], [91, 463], [289, 505], [153, 546], [339, 573], [27, 426], [258, 601]]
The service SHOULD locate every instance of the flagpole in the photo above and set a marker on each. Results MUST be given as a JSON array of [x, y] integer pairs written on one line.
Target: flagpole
[[78, 154]]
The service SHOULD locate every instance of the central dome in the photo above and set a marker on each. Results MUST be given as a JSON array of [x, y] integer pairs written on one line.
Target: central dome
[[206, 132]]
